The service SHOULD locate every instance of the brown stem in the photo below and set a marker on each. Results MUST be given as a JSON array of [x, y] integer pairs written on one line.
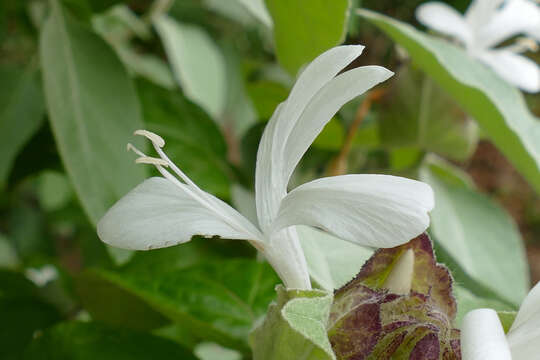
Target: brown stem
[[338, 166]]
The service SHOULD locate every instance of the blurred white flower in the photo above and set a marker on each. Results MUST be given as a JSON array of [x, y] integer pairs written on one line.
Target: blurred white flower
[[488, 23], [372, 210], [482, 335], [43, 275]]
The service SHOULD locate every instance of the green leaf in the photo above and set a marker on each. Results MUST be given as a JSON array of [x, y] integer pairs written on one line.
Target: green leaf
[[193, 141], [93, 110], [8, 255], [294, 327], [419, 113], [332, 262], [54, 190], [478, 234], [331, 137], [266, 96], [499, 108], [217, 301], [305, 28], [468, 301], [21, 113], [86, 341], [117, 27], [211, 351], [258, 9], [197, 63]]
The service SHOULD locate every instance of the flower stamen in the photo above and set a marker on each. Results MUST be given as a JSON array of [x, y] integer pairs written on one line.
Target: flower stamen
[[152, 161], [523, 44], [154, 138]]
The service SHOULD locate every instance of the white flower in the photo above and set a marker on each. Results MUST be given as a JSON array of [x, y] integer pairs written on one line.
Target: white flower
[[488, 23], [482, 335], [372, 210]]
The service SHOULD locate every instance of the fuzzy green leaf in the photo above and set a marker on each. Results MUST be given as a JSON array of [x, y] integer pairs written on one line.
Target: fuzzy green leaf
[[294, 327]]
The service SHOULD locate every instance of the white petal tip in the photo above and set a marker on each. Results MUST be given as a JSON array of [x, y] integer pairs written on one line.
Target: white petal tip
[[154, 138]]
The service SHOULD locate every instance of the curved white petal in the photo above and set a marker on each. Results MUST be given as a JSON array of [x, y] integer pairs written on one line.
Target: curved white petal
[[370, 210], [482, 337], [516, 69], [158, 213], [524, 335], [325, 104], [270, 179], [514, 18], [480, 12], [284, 253], [444, 19]]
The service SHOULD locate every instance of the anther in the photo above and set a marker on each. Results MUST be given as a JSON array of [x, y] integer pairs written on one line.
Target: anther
[[130, 147], [152, 161], [154, 138]]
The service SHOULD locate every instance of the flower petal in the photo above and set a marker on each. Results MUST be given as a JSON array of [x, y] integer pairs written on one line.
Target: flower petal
[[370, 210], [482, 337], [524, 335], [158, 213], [271, 181], [444, 19], [480, 12], [514, 18], [325, 104], [515, 69]]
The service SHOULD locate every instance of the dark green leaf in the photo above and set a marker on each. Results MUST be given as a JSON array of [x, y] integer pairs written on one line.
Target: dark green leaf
[[23, 314], [21, 113], [217, 301], [91, 341], [193, 141]]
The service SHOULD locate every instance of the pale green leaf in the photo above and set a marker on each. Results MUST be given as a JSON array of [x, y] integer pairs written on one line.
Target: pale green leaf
[[332, 262], [93, 110], [303, 29], [294, 327], [419, 113], [478, 235], [197, 63], [211, 351], [499, 108], [467, 301]]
